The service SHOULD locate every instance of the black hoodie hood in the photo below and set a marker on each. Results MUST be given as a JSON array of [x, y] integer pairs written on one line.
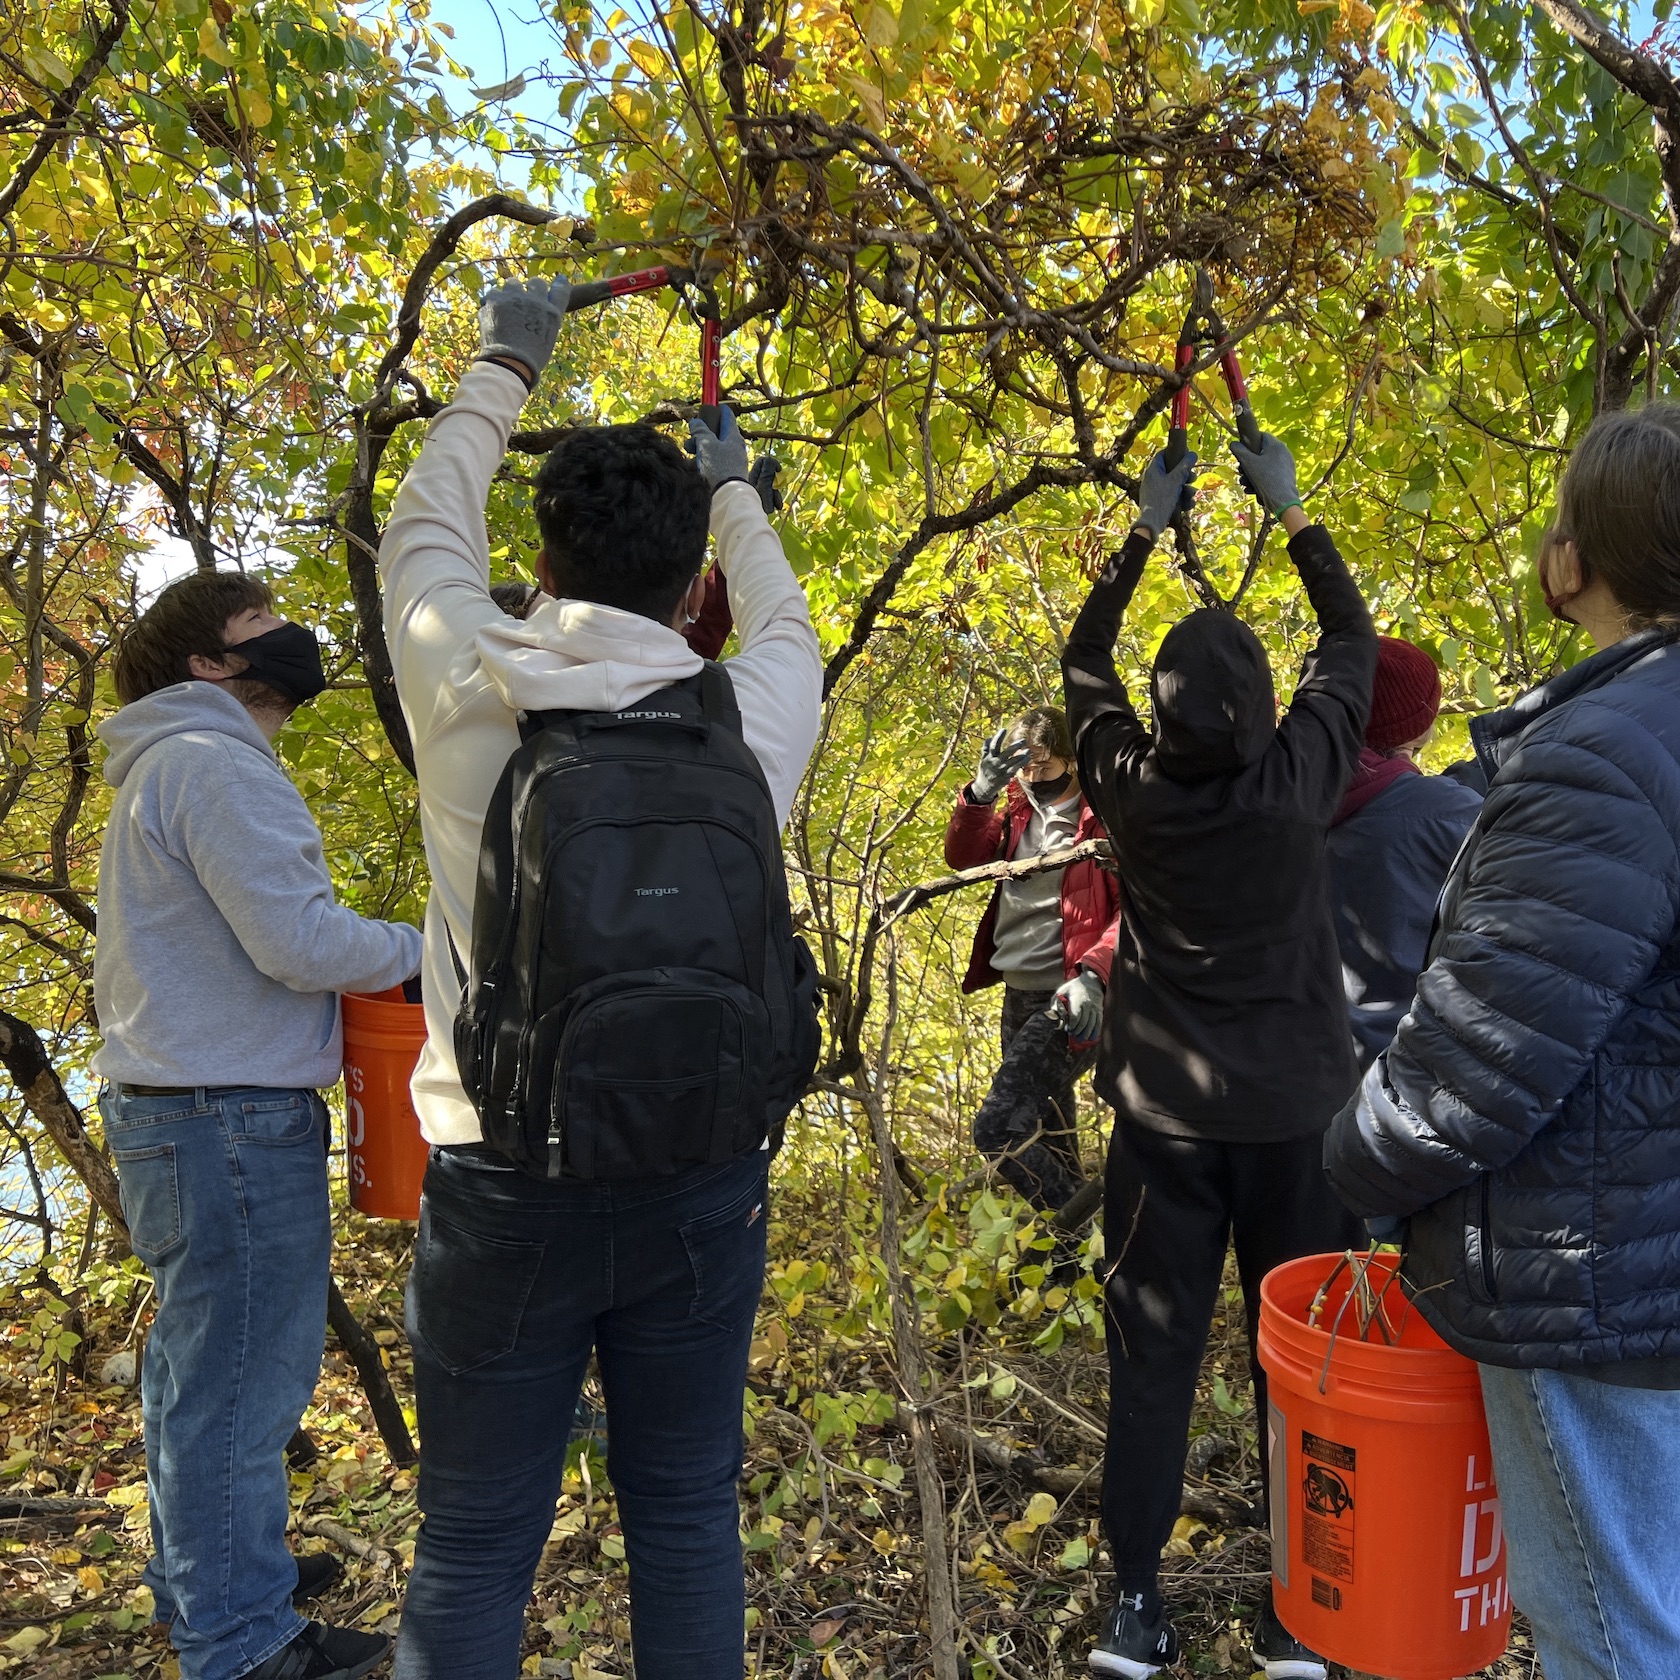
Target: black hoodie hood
[[1215, 707]]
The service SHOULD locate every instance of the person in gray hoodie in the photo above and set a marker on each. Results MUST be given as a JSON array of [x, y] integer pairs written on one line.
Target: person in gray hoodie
[[221, 955]]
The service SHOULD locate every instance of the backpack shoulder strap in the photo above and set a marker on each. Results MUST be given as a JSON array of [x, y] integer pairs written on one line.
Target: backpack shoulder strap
[[454, 955], [717, 697]]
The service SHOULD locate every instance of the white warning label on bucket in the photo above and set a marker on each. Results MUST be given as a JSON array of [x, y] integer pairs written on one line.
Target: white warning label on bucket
[[1327, 1506]]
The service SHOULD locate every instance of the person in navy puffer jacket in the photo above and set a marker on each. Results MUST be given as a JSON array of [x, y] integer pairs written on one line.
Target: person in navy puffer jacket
[[1526, 1120]]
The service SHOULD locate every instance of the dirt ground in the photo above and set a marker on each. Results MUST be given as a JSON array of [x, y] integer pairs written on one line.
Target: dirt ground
[[833, 1542]]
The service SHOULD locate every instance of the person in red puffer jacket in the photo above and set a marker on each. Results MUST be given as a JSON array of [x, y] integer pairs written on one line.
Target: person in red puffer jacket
[[1048, 938]]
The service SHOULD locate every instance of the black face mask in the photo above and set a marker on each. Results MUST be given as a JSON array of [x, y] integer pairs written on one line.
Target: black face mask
[[1052, 789], [287, 659]]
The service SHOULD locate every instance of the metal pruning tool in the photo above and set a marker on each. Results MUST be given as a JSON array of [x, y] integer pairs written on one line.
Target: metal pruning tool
[[702, 299], [1203, 325]]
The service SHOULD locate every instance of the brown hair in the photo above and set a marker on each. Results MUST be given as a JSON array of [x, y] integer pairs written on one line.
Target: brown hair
[[1619, 503], [1045, 729], [189, 617]]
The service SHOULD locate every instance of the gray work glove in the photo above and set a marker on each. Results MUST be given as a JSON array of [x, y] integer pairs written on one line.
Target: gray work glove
[[1268, 473], [1163, 491], [1078, 1005], [763, 479], [997, 765], [521, 321], [720, 455]]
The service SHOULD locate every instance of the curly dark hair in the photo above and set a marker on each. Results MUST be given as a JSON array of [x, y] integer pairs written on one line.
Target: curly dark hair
[[624, 515]]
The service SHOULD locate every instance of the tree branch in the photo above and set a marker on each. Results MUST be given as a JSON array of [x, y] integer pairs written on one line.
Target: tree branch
[[63, 107]]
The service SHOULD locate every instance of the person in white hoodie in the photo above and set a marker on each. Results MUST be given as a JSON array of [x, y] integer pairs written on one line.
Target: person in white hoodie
[[516, 1280], [221, 956]]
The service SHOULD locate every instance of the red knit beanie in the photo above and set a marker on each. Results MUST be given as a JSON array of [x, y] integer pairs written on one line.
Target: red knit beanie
[[1405, 696]]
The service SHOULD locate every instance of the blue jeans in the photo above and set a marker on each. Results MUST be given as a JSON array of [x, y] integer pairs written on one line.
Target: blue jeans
[[514, 1283], [1589, 1480], [225, 1193]]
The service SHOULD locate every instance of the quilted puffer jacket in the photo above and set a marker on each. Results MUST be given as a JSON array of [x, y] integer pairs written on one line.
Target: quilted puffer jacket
[[1527, 1116]]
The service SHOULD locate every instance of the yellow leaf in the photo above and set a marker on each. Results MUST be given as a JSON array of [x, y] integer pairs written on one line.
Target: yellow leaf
[[91, 1580], [880, 26], [647, 58], [26, 1640], [600, 53], [1184, 1532], [210, 43], [869, 96], [257, 107], [1040, 1509]]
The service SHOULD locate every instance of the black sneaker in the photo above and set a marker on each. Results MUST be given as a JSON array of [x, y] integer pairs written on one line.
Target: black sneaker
[[1279, 1652], [317, 1572], [1131, 1647], [324, 1653]]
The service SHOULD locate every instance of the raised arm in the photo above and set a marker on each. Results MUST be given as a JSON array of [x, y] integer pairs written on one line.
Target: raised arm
[[434, 558], [778, 671], [1101, 717], [1323, 729]]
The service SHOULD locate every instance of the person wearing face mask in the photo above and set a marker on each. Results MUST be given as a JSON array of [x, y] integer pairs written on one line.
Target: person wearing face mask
[[222, 953], [1523, 1123], [1049, 938]]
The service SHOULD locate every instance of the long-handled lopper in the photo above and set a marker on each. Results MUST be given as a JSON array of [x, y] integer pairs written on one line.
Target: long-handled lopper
[[705, 306], [1204, 326], [711, 629]]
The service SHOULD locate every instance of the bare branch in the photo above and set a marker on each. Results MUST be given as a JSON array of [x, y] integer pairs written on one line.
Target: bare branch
[[63, 107]]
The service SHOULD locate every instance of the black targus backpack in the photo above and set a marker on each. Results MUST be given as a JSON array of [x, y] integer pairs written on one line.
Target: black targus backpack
[[637, 1003]]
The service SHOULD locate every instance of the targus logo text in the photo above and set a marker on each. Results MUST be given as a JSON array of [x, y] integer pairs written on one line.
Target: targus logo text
[[657, 892]]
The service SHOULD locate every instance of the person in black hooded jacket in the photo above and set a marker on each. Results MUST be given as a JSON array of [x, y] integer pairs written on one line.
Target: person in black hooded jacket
[[1225, 1048]]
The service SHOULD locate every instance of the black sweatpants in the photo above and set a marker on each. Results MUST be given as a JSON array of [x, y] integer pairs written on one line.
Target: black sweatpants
[[1171, 1206], [1029, 1122]]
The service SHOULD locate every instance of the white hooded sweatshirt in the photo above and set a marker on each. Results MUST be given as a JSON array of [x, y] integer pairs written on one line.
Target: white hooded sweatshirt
[[465, 670]]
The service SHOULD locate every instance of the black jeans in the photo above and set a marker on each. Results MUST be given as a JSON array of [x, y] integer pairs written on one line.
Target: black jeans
[[1032, 1098], [515, 1282], [1172, 1204]]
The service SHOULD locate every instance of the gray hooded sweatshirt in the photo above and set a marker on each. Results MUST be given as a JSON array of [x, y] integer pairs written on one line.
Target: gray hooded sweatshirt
[[221, 949]]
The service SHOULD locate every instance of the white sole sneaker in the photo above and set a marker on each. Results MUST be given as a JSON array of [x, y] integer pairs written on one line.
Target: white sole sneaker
[[1106, 1662], [1293, 1668]]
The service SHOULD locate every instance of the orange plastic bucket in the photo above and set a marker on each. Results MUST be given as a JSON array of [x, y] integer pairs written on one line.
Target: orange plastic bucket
[[1388, 1552], [386, 1155]]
